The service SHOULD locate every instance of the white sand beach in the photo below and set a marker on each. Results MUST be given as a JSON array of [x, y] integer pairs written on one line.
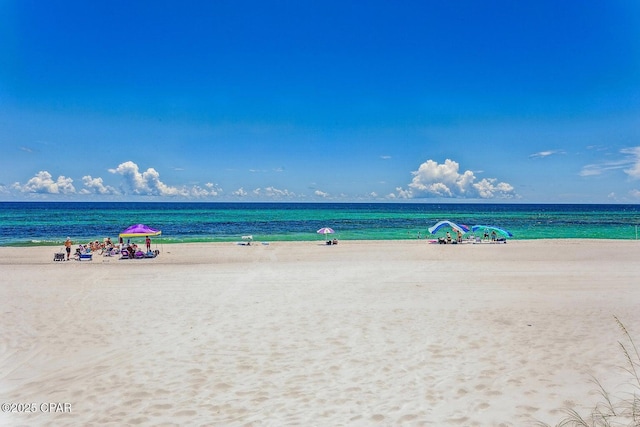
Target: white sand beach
[[382, 333]]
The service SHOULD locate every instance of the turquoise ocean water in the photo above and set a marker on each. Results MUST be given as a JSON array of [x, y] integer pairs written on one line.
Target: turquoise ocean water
[[49, 223]]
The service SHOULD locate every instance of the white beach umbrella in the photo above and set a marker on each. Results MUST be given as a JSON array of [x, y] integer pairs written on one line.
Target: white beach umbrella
[[325, 231]]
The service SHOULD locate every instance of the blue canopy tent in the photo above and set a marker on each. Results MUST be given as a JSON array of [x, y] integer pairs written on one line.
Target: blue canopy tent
[[459, 228], [498, 230], [493, 237], [441, 224]]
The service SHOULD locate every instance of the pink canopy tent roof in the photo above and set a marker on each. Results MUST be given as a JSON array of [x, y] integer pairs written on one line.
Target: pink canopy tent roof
[[140, 230]]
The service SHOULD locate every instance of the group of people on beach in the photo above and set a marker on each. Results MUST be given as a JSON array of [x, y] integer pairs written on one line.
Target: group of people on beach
[[458, 237], [89, 248], [107, 247], [486, 237], [131, 250]]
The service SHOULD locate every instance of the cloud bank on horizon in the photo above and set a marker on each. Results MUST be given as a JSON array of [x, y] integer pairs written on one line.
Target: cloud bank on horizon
[[432, 180], [445, 180]]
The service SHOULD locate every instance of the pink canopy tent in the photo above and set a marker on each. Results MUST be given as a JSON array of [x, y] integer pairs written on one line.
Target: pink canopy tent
[[140, 230]]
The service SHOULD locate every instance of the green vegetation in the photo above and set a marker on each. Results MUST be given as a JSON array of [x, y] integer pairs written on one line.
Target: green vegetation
[[613, 411]]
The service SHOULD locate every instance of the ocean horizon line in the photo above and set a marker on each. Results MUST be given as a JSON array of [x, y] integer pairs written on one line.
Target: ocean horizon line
[[337, 202]]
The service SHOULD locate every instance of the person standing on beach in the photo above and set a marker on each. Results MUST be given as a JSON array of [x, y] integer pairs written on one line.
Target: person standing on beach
[[148, 241], [67, 245]]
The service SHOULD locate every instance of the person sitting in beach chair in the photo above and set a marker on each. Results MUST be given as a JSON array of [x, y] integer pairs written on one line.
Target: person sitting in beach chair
[[151, 254], [82, 254], [131, 250], [448, 237], [128, 252], [110, 251], [335, 241]]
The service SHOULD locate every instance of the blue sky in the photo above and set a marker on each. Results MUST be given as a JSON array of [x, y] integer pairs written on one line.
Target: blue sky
[[496, 101]]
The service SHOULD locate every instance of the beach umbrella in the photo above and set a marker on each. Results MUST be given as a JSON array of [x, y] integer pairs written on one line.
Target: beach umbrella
[[325, 231], [441, 224], [499, 230], [139, 230]]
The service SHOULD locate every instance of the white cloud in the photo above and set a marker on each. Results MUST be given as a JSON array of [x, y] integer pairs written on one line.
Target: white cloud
[[240, 192], [272, 192], [277, 193], [543, 154], [278, 169], [630, 164], [401, 193], [445, 180], [385, 157], [147, 182], [198, 192], [634, 170], [96, 186], [591, 170], [43, 182], [489, 188], [321, 193], [600, 168], [214, 189], [210, 190]]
